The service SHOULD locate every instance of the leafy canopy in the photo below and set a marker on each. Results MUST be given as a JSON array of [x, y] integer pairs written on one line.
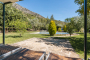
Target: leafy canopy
[[81, 6]]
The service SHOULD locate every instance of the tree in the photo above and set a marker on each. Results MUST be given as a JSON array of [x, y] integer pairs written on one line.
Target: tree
[[19, 25], [52, 28], [68, 20], [12, 14], [81, 8], [35, 23], [78, 23], [70, 29], [51, 18], [47, 26], [64, 28]]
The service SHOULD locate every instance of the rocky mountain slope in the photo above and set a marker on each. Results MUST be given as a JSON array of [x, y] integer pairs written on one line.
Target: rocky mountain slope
[[17, 6], [33, 14]]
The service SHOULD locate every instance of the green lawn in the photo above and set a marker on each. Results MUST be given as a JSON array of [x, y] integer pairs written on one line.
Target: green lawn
[[11, 38], [77, 43]]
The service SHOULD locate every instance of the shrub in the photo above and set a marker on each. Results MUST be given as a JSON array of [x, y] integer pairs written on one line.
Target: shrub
[[64, 28], [59, 30], [52, 28]]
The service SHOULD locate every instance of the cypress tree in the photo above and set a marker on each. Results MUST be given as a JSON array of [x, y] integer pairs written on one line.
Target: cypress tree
[[52, 28], [64, 28]]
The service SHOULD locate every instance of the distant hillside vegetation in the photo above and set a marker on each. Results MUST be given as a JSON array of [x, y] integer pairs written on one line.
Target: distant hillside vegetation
[[15, 14], [32, 15]]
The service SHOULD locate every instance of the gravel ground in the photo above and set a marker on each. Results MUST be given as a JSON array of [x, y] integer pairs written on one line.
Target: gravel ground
[[57, 46]]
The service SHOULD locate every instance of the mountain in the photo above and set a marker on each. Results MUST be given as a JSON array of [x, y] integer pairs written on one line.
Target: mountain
[[31, 15], [17, 6]]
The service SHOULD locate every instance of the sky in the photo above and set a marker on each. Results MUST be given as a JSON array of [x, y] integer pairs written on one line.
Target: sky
[[61, 9]]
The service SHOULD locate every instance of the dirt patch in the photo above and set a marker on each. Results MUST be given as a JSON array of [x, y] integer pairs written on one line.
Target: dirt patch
[[58, 46]]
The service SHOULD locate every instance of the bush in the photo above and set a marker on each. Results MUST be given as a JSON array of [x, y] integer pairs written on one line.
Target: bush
[[58, 27], [52, 28], [59, 30], [64, 28]]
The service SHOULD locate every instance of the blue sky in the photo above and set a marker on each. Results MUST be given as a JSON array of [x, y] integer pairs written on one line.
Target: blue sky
[[61, 9]]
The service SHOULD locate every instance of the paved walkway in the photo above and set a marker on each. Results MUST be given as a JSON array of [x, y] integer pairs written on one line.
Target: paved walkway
[[58, 46]]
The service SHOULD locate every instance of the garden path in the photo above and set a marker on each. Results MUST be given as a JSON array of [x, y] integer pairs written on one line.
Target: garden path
[[57, 46]]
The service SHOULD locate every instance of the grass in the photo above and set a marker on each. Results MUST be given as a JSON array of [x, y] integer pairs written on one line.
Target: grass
[[11, 38], [14, 37], [77, 43]]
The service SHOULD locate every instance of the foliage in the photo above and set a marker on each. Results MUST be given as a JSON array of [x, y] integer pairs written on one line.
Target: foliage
[[52, 28], [59, 29], [11, 14], [64, 28], [20, 26], [69, 20], [34, 22], [78, 23], [82, 30], [47, 26], [81, 8], [70, 28]]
